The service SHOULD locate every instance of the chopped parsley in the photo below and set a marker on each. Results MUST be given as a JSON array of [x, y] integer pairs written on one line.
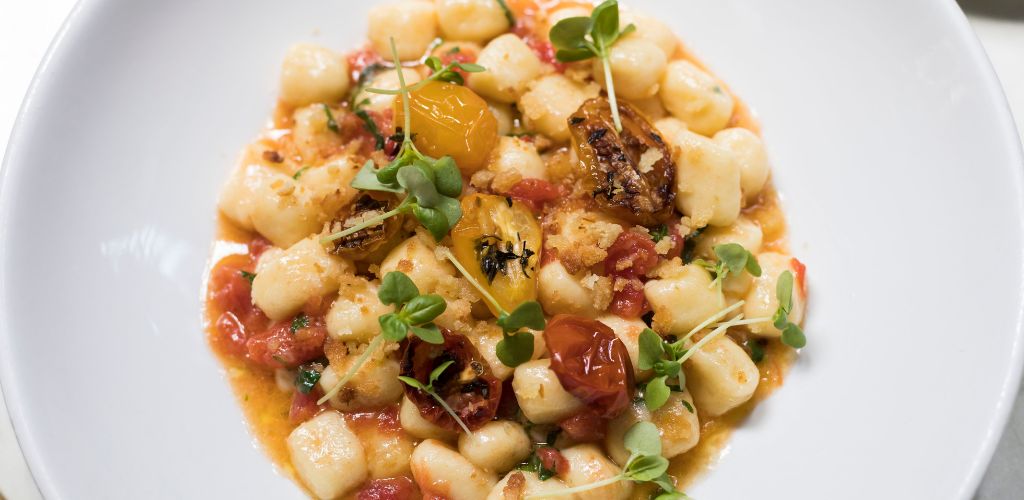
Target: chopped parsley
[[659, 232], [248, 276], [307, 377], [299, 322], [331, 123]]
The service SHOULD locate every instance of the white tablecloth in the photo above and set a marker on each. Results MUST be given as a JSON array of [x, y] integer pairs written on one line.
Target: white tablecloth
[[26, 28]]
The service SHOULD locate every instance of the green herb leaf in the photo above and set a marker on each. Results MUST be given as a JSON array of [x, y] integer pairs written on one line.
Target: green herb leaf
[[430, 333], [298, 173], [793, 336], [656, 393], [411, 382], [752, 266], [423, 309], [526, 315], [248, 276], [659, 232], [436, 373], [367, 180], [651, 349], [514, 350], [299, 322], [643, 439], [396, 289], [646, 468], [420, 184], [687, 405], [331, 124], [447, 177], [733, 255], [534, 464], [371, 127], [570, 33], [306, 378], [784, 291], [452, 211], [756, 350], [605, 28], [508, 13], [392, 327], [433, 220]]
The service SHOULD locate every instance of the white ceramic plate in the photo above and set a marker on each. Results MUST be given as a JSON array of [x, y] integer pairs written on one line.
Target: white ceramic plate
[[892, 145]]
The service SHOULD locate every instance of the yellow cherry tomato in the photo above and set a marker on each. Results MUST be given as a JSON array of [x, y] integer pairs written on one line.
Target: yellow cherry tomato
[[449, 119], [499, 241]]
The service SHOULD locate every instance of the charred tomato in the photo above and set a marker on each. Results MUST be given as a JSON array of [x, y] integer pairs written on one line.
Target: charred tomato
[[630, 173], [591, 363], [372, 243], [467, 386]]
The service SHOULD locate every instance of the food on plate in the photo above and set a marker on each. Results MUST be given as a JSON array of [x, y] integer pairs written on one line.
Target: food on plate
[[506, 249]]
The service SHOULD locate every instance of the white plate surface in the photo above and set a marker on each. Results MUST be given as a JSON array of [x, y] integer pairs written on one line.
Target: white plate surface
[[893, 148]]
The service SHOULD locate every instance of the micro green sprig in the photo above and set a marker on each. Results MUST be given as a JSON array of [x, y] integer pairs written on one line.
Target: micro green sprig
[[581, 38], [414, 313], [667, 358], [792, 335], [645, 465], [429, 389], [447, 73], [516, 346], [732, 259], [431, 186]]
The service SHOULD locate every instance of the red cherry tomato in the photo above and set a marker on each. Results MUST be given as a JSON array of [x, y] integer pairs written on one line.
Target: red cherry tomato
[[591, 363], [279, 347], [392, 488], [304, 407], [585, 426], [630, 257], [467, 385], [535, 192], [630, 301]]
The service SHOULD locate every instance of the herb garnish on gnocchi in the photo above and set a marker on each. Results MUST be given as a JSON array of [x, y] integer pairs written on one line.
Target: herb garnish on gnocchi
[[507, 249]]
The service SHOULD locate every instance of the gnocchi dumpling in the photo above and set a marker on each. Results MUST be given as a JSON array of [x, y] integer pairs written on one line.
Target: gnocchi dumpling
[[387, 80], [387, 451], [353, 315], [311, 73], [442, 472], [516, 157], [762, 301], [628, 331], [562, 293], [510, 66], [721, 376], [636, 66], [587, 464], [497, 446], [550, 101], [473, 20], [682, 297], [287, 279], [327, 456], [540, 395], [416, 258], [749, 151], [695, 97], [707, 180], [412, 24], [414, 423], [374, 385], [518, 484]]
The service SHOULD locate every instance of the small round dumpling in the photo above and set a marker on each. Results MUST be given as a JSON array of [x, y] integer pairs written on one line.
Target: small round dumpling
[[311, 73], [682, 297], [416, 258], [636, 65], [721, 376], [412, 24], [287, 279], [650, 29], [387, 80], [497, 446], [473, 20], [762, 301], [327, 456], [514, 156], [695, 97], [442, 472], [749, 151], [550, 101], [511, 65]]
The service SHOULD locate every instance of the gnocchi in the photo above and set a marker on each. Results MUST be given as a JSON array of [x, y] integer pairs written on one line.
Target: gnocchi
[[695, 97], [442, 472], [327, 456], [412, 25], [312, 74], [286, 279], [512, 65], [721, 376]]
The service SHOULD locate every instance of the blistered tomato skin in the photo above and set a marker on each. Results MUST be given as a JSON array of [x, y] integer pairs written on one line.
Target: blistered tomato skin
[[280, 347], [449, 119], [622, 180], [499, 241], [393, 488], [467, 385], [591, 363], [630, 258]]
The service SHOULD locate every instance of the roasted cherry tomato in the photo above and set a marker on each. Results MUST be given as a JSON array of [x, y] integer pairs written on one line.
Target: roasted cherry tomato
[[283, 346], [591, 363], [629, 259], [630, 173], [372, 243], [535, 192], [499, 240], [449, 119], [392, 488], [467, 385]]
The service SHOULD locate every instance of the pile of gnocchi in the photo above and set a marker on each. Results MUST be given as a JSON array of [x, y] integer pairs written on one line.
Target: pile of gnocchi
[[508, 249]]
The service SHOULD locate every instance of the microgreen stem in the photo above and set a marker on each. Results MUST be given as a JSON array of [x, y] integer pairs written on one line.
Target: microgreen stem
[[476, 284], [750, 321], [611, 86], [403, 90], [707, 322], [578, 489], [372, 221], [451, 412], [717, 332], [374, 344]]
